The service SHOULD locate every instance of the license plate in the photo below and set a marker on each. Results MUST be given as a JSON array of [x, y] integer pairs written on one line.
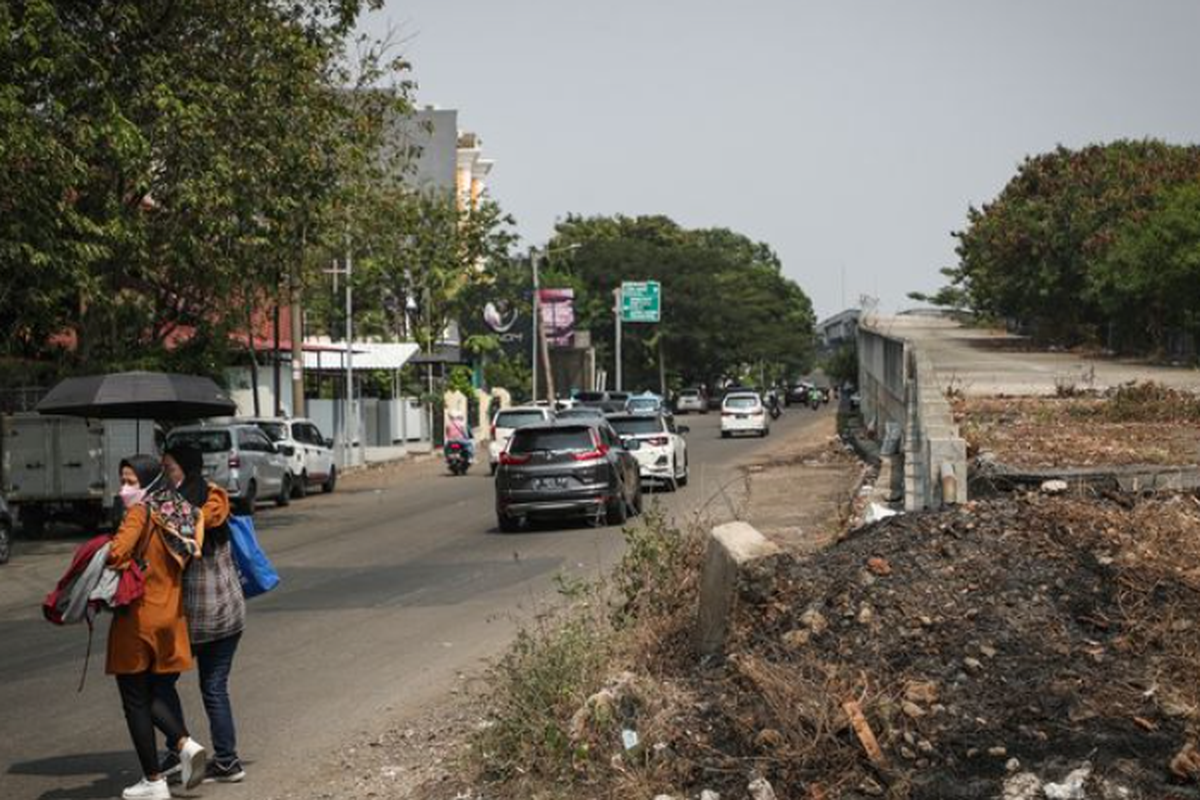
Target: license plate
[[743, 416], [551, 483]]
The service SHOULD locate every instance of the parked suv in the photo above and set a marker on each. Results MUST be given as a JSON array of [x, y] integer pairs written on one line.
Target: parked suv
[[311, 462], [567, 469], [508, 420], [240, 458]]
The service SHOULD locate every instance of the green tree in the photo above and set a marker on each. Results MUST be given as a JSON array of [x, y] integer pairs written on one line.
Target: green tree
[[163, 164], [726, 303], [1148, 280], [1030, 254]]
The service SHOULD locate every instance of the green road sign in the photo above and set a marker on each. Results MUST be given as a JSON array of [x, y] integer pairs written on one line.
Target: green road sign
[[641, 301]]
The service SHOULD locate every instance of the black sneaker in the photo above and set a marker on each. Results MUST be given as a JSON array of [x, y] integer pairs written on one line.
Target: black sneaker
[[170, 767], [216, 772]]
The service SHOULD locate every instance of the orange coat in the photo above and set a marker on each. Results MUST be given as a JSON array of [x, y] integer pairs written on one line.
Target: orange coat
[[150, 634], [216, 508]]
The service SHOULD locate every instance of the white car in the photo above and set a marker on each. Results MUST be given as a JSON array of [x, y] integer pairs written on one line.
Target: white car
[[508, 420], [743, 412], [662, 455], [311, 461], [690, 401]]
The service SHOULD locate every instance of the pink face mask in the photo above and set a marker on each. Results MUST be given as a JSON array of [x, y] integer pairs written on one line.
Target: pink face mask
[[131, 495]]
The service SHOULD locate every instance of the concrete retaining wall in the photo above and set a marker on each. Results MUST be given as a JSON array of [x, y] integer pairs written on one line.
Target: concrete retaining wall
[[898, 384]]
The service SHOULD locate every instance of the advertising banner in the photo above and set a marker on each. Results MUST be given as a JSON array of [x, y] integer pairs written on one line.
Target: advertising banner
[[510, 325], [558, 316]]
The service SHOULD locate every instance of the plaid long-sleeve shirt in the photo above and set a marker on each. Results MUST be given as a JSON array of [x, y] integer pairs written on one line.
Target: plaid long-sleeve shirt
[[212, 596]]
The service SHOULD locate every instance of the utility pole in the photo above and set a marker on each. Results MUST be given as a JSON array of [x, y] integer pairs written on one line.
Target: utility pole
[[351, 427], [617, 321], [535, 356], [297, 323]]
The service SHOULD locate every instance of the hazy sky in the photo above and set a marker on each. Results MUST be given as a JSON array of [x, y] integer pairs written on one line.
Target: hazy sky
[[847, 135]]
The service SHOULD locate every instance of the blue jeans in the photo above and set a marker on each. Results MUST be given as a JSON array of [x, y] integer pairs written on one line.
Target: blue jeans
[[215, 660]]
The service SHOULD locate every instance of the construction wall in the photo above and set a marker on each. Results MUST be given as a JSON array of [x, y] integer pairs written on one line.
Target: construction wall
[[899, 385]]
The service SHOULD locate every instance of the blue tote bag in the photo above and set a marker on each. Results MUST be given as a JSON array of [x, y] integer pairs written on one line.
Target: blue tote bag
[[258, 575]]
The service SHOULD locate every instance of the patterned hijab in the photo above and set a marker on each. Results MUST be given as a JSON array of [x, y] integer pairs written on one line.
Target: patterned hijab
[[177, 519]]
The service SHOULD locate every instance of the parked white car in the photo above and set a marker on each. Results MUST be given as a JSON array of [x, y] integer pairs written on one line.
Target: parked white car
[[744, 412], [241, 459], [311, 462], [662, 456], [508, 420]]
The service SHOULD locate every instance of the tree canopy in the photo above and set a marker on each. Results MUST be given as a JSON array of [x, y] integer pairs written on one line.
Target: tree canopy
[[1072, 248], [727, 308], [164, 162]]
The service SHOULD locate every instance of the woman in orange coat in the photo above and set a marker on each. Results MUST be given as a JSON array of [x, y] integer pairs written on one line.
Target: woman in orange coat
[[148, 640]]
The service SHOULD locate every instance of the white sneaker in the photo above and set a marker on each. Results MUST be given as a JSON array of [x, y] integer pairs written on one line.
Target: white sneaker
[[193, 757], [147, 790]]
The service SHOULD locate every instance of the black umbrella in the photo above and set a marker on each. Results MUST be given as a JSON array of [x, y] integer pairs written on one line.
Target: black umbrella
[[138, 395]]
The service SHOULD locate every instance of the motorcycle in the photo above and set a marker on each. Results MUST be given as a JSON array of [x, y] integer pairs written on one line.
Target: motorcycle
[[458, 458], [814, 399]]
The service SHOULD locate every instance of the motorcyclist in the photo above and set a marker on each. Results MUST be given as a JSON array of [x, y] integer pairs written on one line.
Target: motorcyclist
[[773, 403], [459, 430]]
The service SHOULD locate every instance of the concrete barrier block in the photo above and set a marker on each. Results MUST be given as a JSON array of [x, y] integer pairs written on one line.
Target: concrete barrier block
[[739, 563]]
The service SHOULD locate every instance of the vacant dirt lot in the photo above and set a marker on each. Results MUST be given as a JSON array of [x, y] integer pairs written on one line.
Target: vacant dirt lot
[[1142, 424]]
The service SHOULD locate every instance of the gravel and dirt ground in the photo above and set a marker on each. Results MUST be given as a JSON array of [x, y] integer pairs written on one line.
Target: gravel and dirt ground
[[1137, 424], [1020, 647]]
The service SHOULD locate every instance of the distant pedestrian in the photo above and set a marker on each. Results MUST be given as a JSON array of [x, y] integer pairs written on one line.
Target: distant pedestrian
[[148, 641], [216, 610]]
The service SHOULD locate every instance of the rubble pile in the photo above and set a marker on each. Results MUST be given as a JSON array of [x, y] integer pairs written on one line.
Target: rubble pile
[[1017, 647]]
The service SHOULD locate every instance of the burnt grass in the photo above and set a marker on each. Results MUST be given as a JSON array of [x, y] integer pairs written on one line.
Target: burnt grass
[[1046, 630]]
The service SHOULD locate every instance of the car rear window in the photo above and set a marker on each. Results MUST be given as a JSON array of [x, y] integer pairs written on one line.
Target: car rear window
[[552, 440], [637, 427], [590, 397], [741, 402], [517, 419], [204, 441], [643, 402], [689, 393], [275, 431]]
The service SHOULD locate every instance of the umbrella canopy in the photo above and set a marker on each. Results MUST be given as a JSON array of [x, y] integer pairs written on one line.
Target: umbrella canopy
[[138, 395]]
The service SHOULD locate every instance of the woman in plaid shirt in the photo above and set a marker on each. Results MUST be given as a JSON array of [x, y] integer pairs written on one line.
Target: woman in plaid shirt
[[215, 608]]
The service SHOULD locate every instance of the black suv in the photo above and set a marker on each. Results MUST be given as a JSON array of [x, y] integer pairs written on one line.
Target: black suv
[[577, 468]]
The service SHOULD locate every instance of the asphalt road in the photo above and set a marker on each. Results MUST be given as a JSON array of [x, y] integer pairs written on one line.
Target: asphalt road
[[393, 586]]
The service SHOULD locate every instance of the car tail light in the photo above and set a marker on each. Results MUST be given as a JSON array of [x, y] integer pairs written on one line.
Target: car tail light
[[600, 450], [509, 459], [758, 412], [234, 462], [658, 441]]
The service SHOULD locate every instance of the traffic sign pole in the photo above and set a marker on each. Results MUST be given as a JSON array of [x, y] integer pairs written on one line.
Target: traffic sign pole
[[617, 307]]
